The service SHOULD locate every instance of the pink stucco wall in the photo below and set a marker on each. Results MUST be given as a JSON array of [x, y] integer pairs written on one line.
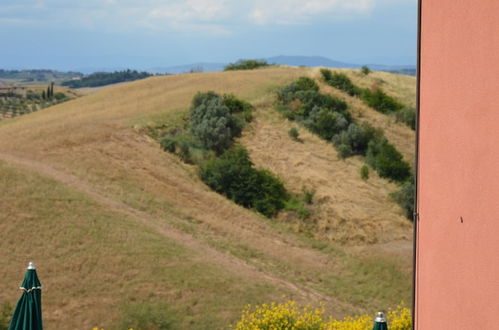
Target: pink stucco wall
[[457, 264]]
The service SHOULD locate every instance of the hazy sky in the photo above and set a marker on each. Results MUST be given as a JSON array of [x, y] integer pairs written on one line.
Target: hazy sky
[[75, 34]]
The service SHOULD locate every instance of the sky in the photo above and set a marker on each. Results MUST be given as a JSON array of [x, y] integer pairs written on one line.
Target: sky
[[143, 34]]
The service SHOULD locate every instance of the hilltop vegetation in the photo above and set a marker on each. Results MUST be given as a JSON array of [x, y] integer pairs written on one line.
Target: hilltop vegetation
[[246, 65], [329, 117], [207, 140], [147, 239], [24, 100], [106, 78], [375, 97], [36, 76]]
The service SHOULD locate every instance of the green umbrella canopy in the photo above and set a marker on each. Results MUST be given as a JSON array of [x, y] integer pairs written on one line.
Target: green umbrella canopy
[[28, 312], [380, 322]]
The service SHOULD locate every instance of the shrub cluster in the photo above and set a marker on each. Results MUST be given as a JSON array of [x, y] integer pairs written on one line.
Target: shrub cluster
[[340, 81], [234, 176], [246, 65], [209, 142], [214, 123], [375, 98], [387, 161], [328, 117], [290, 315]]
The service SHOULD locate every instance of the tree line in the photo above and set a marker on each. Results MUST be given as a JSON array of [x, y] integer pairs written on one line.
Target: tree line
[[106, 78]]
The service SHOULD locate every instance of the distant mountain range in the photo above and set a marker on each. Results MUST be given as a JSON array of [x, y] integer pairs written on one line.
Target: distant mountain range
[[36, 76], [309, 61]]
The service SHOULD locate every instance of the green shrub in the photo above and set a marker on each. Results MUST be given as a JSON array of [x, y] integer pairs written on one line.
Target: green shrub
[[246, 65], [59, 96], [405, 198], [365, 70], [212, 123], [364, 172], [234, 104], [307, 84], [306, 91], [296, 205], [387, 161], [407, 116], [168, 143], [233, 175], [185, 151], [380, 101], [325, 122], [326, 74], [355, 139], [202, 98], [294, 134], [308, 194], [340, 81]]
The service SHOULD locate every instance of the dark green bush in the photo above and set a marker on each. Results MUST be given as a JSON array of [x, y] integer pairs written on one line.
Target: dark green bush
[[405, 198], [364, 172], [325, 122], [246, 65], [235, 105], [300, 98], [202, 98], [355, 139], [326, 74], [380, 101], [340, 81], [307, 84], [168, 143], [387, 161], [212, 123], [365, 70], [234, 176], [294, 134]]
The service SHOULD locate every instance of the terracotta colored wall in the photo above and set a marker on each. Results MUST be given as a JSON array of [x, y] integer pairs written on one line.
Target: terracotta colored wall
[[457, 268]]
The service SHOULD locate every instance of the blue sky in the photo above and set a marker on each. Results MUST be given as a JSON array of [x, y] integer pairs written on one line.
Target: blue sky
[[141, 34]]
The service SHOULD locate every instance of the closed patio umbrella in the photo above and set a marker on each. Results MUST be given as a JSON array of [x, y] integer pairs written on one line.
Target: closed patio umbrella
[[28, 312], [380, 322]]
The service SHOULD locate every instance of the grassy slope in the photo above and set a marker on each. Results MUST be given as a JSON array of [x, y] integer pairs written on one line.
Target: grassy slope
[[138, 224]]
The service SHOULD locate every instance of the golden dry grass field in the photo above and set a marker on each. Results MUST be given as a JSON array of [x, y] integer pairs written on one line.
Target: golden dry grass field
[[118, 227]]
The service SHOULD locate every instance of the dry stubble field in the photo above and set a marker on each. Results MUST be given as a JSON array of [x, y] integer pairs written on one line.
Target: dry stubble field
[[117, 225]]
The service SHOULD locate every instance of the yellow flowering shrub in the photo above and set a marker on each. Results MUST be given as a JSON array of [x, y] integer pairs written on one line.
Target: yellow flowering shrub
[[290, 316], [400, 318], [281, 316]]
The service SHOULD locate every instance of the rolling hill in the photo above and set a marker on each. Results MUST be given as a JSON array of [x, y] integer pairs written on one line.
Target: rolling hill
[[121, 230]]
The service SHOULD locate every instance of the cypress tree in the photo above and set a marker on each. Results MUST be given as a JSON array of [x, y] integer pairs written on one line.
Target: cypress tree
[[52, 90], [43, 94]]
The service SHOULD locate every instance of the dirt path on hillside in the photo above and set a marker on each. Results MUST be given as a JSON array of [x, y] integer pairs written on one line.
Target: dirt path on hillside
[[206, 252]]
